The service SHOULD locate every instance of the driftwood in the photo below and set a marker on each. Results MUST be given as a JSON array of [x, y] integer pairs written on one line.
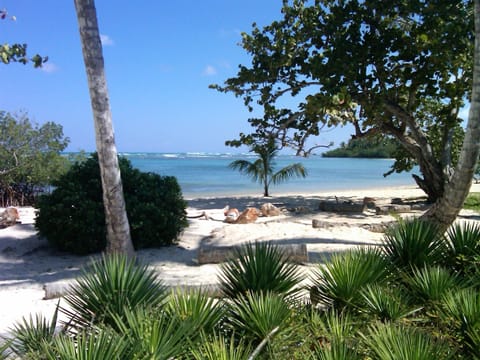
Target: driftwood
[[387, 209], [218, 254], [342, 207]]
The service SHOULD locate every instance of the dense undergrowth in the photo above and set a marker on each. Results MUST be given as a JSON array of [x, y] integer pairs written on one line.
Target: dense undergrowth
[[415, 297]]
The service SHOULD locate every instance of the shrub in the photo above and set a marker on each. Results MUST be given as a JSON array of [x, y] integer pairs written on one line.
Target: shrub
[[72, 217]]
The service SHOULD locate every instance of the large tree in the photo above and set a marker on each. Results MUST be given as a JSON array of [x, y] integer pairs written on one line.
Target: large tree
[[403, 70], [118, 229], [446, 209]]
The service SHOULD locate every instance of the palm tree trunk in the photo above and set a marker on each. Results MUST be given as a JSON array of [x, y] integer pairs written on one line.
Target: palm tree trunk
[[118, 229], [447, 208]]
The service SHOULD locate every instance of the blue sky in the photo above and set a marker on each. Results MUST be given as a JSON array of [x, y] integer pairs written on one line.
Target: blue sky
[[160, 57]]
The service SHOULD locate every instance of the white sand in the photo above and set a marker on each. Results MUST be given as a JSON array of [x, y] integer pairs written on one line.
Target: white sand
[[27, 263]]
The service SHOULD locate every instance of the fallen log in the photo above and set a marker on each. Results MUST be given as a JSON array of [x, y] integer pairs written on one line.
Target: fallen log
[[218, 254], [345, 207], [387, 209]]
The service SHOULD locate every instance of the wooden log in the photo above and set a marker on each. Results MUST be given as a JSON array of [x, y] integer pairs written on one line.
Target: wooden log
[[346, 207], [387, 209], [218, 254]]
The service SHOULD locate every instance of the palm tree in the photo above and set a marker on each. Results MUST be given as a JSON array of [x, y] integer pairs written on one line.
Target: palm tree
[[118, 229], [262, 169]]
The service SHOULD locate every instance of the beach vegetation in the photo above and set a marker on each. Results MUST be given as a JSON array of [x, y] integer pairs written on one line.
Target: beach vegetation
[[107, 288], [370, 147], [259, 267], [263, 170], [363, 305], [472, 202], [407, 82], [30, 158], [72, 217], [17, 52]]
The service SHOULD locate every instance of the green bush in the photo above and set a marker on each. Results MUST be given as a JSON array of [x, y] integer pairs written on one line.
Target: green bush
[[72, 217]]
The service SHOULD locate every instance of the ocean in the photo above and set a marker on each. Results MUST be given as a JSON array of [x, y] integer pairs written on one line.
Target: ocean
[[208, 175]]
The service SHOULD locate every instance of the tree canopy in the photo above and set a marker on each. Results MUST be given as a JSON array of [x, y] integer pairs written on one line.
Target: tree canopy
[[404, 70], [30, 157]]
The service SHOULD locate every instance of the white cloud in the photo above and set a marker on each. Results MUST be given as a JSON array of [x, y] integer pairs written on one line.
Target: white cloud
[[49, 67], [209, 70], [106, 40]]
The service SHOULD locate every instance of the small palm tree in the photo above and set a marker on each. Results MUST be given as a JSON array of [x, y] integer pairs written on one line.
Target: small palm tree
[[262, 169]]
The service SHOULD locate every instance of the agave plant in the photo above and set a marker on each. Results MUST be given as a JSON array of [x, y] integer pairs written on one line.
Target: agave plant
[[394, 342], [414, 244], [385, 303], [28, 335], [338, 283], [430, 284], [259, 267], [110, 286]]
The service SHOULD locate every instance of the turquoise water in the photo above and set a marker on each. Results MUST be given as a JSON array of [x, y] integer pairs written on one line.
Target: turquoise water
[[203, 174]]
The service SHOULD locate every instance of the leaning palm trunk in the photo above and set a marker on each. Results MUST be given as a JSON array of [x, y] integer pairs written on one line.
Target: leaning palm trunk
[[118, 229], [446, 209]]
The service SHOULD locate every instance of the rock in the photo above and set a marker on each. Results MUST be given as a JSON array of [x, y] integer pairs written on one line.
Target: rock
[[217, 254], [369, 202], [268, 209], [249, 215], [9, 217], [348, 207]]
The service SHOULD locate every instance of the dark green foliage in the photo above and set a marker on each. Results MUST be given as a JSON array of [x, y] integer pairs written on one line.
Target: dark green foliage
[[27, 337], [72, 217], [473, 201], [87, 346], [365, 148], [30, 158], [108, 288], [394, 342], [259, 267], [338, 283], [414, 244], [259, 315]]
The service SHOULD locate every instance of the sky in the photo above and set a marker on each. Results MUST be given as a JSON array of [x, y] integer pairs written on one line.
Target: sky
[[160, 58]]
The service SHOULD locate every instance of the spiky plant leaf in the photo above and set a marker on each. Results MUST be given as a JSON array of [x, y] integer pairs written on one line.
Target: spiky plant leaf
[[27, 335], [336, 351], [339, 281], [108, 287], [259, 267], [396, 342], [202, 312], [95, 345], [414, 244], [430, 284], [385, 303], [152, 334], [256, 314], [218, 348], [463, 240]]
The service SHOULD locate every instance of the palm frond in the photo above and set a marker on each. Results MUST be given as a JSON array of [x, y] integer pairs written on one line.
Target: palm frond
[[219, 348], [288, 172]]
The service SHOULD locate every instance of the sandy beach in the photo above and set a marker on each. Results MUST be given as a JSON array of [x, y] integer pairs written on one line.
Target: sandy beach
[[28, 264]]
